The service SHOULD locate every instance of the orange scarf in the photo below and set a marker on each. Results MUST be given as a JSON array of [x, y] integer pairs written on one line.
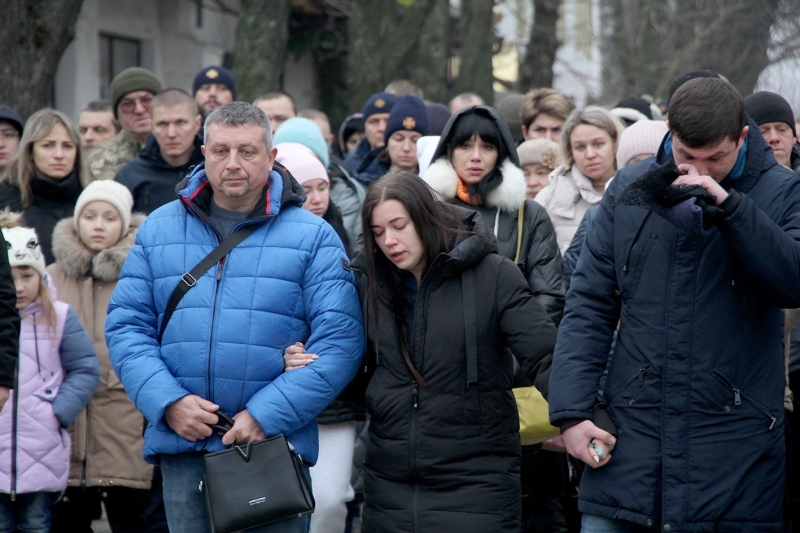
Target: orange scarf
[[462, 192]]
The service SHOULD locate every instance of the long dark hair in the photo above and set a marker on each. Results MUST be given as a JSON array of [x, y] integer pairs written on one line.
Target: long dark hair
[[482, 124], [436, 227]]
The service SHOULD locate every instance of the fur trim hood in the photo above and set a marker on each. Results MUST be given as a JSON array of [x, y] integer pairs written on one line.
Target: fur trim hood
[[442, 178], [76, 261]]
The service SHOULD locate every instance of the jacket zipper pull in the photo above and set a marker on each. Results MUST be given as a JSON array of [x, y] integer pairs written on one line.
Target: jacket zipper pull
[[642, 372], [415, 396], [219, 270], [773, 422], [13, 495], [737, 397]]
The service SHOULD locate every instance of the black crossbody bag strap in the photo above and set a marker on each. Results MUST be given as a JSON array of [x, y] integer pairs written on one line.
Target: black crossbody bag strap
[[470, 325], [189, 279]]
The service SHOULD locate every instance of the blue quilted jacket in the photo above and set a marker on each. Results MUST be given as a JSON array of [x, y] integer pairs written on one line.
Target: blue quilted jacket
[[283, 284]]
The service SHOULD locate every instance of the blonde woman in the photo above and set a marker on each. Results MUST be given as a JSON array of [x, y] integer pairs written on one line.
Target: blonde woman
[[45, 178], [588, 150]]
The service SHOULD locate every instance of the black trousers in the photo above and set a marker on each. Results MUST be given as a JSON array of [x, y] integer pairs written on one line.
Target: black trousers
[[125, 509], [544, 479], [128, 510], [791, 504]]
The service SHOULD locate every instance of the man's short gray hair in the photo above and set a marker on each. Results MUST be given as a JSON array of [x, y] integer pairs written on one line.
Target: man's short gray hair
[[240, 114]]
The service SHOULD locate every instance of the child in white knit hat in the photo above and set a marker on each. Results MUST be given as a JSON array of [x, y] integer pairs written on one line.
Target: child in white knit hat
[[90, 249], [640, 141], [56, 374]]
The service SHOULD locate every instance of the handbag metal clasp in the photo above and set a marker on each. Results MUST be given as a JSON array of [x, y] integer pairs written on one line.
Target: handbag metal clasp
[[245, 453]]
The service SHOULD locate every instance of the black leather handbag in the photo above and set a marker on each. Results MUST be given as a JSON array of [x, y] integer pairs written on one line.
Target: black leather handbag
[[254, 484]]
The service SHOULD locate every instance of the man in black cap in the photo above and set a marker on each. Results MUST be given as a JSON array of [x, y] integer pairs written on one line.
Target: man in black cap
[[212, 87], [10, 133], [775, 119], [375, 115]]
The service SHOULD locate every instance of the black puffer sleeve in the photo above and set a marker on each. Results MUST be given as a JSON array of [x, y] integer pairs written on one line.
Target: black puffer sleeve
[[543, 266], [9, 320]]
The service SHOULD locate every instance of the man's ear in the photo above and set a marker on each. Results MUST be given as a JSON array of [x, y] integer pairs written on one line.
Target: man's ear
[[524, 131], [743, 136], [203, 150]]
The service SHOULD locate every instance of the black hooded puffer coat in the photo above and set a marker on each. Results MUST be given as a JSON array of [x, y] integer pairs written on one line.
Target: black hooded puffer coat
[[540, 259], [445, 457]]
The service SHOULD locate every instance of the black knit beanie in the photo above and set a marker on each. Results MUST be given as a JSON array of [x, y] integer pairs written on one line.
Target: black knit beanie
[[764, 107]]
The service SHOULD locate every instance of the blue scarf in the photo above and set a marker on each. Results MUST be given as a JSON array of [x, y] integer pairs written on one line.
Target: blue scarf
[[736, 172]]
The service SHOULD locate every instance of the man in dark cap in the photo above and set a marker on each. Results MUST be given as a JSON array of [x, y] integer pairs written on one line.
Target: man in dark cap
[[132, 92], [212, 87], [10, 133], [775, 119], [375, 115]]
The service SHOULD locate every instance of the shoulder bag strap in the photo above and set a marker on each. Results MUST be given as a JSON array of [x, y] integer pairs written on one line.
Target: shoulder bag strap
[[470, 325], [520, 227], [189, 279]]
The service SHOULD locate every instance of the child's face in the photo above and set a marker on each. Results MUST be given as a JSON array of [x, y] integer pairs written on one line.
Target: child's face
[[99, 225], [26, 281]]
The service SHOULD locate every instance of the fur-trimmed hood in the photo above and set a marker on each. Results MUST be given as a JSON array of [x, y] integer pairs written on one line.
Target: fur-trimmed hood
[[77, 261], [442, 178]]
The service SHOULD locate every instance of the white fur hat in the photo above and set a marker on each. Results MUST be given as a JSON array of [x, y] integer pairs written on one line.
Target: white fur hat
[[24, 249], [109, 191]]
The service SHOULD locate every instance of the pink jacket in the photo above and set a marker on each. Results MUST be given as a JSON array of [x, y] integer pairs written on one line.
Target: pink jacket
[[57, 373]]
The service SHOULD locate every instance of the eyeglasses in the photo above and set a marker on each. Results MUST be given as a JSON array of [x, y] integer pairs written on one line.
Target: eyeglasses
[[129, 105]]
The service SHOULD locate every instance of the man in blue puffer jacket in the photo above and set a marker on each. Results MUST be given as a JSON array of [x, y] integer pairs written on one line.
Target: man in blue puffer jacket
[[223, 347], [694, 253]]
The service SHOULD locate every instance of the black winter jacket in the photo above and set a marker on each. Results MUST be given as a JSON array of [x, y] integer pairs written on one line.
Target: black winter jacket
[[9, 321], [445, 457], [540, 258], [695, 384], [151, 180], [52, 201]]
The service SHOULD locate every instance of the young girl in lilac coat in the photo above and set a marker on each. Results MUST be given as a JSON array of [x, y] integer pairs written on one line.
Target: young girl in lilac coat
[[56, 375]]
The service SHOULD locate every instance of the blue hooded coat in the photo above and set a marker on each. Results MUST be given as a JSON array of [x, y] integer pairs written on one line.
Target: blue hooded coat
[[695, 384], [284, 283]]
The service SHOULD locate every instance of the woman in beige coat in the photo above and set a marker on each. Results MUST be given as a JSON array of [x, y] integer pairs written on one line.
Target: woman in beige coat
[[107, 463], [589, 140]]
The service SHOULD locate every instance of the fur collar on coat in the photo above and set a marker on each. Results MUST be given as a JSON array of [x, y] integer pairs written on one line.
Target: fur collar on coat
[[76, 261], [442, 177]]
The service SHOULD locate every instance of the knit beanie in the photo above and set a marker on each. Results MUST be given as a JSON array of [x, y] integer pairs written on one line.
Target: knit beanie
[[24, 249], [510, 108], [438, 115], [301, 162], [764, 107], [378, 103], [131, 80], [539, 151], [408, 114], [642, 137], [303, 131], [109, 191], [215, 74], [683, 78], [12, 117]]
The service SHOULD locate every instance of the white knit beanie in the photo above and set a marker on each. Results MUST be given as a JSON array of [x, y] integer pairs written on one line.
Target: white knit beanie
[[641, 137], [109, 191], [24, 249]]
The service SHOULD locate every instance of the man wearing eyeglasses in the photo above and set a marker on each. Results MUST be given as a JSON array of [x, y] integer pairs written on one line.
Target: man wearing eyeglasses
[[132, 92]]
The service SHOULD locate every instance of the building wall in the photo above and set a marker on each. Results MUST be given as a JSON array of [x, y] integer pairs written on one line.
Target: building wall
[[172, 44]]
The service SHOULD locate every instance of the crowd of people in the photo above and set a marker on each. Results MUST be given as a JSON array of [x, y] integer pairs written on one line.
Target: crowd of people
[[385, 287]]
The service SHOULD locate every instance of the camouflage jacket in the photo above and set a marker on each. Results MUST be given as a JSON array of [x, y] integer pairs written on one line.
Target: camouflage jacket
[[106, 159]]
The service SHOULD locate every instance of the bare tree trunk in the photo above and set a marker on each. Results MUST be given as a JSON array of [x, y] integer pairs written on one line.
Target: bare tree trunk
[[652, 42], [475, 71], [427, 63], [33, 37], [262, 34], [536, 68], [382, 36]]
